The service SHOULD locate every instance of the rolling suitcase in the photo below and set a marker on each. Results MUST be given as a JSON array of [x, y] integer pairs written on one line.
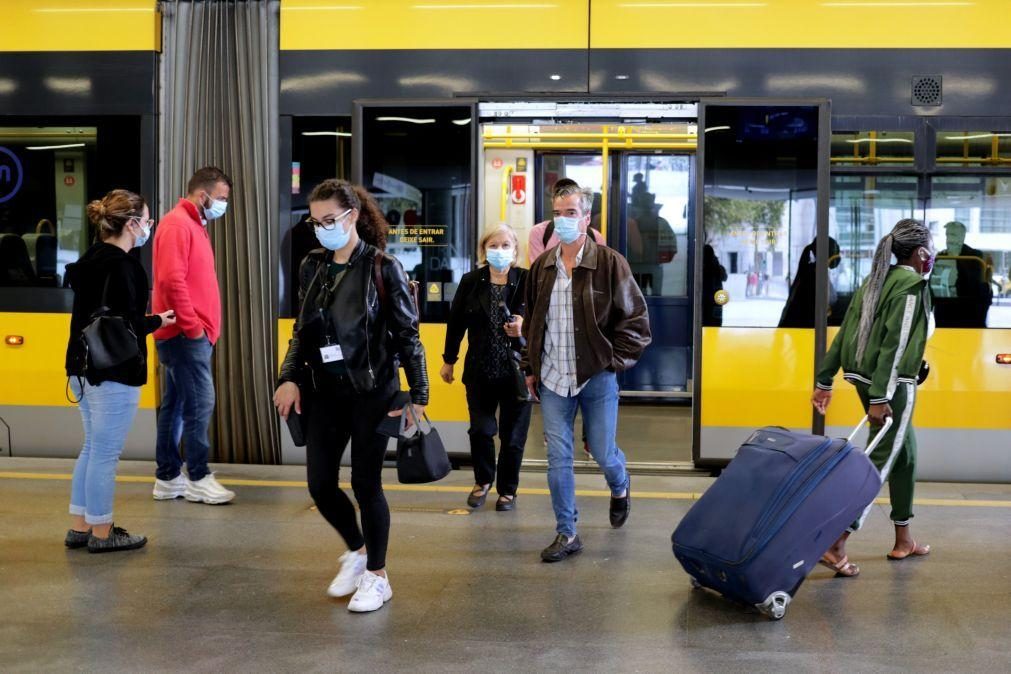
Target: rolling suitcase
[[760, 528]]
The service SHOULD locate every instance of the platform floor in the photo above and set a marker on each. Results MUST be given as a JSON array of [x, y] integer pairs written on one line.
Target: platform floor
[[242, 587]]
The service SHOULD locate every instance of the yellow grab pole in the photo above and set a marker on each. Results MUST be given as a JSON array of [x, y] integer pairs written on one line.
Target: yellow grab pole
[[603, 189], [504, 204]]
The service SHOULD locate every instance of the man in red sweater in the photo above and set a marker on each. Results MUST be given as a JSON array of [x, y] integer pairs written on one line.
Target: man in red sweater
[[184, 278]]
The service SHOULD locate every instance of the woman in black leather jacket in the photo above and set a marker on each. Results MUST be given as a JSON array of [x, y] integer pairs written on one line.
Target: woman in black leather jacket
[[340, 372], [488, 306]]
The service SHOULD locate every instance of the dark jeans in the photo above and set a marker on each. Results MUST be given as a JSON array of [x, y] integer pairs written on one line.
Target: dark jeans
[[187, 403], [483, 398], [335, 414]]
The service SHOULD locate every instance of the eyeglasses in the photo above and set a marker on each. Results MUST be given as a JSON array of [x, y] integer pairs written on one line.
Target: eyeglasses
[[143, 221], [328, 223]]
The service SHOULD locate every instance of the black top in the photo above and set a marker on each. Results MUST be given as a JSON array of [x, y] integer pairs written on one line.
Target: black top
[[497, 349], [127, 296], [334, 274], [479, 314]]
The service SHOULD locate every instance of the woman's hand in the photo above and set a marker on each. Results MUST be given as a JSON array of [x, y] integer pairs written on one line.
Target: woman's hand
[[878, 413], [446, 373], [167, 318], [286, 396], [419, 411], [514, 327], [821, 399]]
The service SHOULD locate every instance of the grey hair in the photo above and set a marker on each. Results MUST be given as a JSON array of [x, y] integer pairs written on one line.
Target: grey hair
[[585, 196], [902, 241]]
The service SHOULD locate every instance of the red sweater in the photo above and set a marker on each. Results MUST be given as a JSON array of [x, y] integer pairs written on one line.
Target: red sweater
[[184, 276]]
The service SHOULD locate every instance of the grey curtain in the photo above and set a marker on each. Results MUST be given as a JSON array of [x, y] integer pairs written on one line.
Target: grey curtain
[[219, 107]]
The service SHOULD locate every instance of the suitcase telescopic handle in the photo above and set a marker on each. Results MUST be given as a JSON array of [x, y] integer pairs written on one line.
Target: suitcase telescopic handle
[[877, 438]]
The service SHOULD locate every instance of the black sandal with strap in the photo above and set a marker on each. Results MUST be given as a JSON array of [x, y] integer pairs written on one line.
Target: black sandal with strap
[[478, 495]]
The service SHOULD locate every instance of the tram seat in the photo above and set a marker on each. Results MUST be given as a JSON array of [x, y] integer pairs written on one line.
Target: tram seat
[[15, 263], [42, 253]]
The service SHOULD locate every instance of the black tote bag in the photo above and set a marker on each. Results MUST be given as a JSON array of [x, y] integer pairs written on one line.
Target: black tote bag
[[421, 456]]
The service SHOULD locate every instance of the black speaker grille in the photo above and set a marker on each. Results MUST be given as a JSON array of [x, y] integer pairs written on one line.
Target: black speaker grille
[[927, 90]]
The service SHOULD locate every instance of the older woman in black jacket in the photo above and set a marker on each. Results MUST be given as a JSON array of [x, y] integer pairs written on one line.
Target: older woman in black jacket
[[356, 317], [488, 307]]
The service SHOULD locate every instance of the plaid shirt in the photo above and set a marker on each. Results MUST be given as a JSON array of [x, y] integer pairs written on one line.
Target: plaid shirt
[[558, 362]]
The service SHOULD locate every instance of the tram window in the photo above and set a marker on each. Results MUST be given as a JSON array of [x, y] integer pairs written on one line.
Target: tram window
[[970, 218], [872, 148], [320, 149], [760, 201], [861, 211], [973, 148], [656, 223], [416, 161], [48, 174]]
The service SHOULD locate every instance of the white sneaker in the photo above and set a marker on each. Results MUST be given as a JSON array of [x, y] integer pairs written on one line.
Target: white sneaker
[[207, 490], [373, 592], [352, 568], [166, 490]]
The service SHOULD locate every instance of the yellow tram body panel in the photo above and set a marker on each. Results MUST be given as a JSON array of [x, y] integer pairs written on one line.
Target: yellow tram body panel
[[447, 402], [34, 374], [75, 25]]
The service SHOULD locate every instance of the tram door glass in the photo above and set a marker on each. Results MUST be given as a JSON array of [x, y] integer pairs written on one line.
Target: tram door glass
[[48, 174], [656, 223], [863, 208], [585, 169], [416, 161], [760, 204]]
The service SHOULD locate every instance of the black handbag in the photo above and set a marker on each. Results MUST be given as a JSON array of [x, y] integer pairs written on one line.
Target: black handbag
[[519, 379], [109, 339], [421, 456]]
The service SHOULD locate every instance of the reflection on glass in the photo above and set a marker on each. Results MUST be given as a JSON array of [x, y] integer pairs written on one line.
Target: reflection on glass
[[585, 169], [656, 223], [420, 174], [759, 211], [973, 148], [862, 210], [970, 217], [872, 148]]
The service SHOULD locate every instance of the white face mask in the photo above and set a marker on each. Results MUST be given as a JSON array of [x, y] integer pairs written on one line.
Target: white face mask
[[215, 209], [567, 229], [144, 236]]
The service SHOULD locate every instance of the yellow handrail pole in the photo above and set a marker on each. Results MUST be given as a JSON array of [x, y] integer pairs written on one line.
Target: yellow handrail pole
[[504, 204], [489, 135], [605, 179], [491, 145]]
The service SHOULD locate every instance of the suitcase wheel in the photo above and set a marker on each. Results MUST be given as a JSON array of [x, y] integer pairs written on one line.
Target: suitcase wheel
[[775, 605], [696, 585]]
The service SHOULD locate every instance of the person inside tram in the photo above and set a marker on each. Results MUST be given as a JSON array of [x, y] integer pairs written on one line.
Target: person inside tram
[[488, 307], [880, 350], [652, 243], [107, 275], [572, 360], [962, 282], [340, 376], [798, 312], [542, 235], [714, 275]]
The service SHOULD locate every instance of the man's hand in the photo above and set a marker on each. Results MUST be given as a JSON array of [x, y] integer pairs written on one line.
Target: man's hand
[[821, 399], [532, 387], [879, 412]]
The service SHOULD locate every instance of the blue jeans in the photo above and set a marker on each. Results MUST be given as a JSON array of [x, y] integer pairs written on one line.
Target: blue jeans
[[107, 411], [187, 402], [599, 404]]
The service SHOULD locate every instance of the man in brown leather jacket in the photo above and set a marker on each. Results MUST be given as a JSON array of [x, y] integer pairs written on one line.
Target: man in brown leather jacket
[[586, 321]]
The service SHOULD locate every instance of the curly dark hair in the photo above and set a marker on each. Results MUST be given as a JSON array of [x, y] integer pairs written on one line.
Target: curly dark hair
[[372, 226]]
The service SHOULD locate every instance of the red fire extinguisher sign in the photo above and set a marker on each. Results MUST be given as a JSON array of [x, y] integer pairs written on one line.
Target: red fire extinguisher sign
[[519, 188]]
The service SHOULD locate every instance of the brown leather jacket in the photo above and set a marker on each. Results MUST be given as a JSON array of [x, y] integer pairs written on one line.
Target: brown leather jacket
[[609, 312]]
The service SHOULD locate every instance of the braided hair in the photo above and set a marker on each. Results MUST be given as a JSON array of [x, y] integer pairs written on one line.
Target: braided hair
[[372, 226], [907, 235]]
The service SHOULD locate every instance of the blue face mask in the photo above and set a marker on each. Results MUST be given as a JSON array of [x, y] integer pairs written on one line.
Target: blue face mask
[[567, 229], [499, 258], [216, 209], [334, 239], [144, 237]]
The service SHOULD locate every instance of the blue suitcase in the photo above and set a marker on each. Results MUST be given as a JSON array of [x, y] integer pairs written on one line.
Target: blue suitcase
[[757, 532]]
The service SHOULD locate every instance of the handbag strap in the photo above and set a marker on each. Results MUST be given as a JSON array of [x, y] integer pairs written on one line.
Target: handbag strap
[[409, 410]]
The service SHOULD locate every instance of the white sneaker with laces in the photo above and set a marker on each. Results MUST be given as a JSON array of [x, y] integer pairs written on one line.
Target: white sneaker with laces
[[166, 490], [373, 592], [346, 581], [207, 490]]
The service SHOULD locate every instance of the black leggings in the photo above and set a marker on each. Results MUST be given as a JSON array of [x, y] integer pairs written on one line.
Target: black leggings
[[335, 414]]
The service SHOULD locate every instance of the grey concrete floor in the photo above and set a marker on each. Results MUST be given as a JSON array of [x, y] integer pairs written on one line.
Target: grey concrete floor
[[242, 588]]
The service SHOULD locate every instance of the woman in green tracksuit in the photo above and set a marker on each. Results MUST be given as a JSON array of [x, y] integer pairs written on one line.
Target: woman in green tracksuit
[[880, 349]]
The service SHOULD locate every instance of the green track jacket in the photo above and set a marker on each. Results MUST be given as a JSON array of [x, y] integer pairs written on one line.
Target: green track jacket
[[896, 343]]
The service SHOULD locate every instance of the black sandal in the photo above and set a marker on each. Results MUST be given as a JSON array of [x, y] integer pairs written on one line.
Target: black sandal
[[505, 503], [478, 495]]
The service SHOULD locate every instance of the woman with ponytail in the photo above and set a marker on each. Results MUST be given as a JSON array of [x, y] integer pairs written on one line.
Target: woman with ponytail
[[880, 349], [108, 276], [356, 321]]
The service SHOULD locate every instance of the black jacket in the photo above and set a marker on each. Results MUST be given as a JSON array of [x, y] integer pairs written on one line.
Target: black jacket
[[371, 337], [127, 296], [470, 313]]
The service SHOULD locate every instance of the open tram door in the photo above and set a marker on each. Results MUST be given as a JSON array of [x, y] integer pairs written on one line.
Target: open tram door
[[762, 260]]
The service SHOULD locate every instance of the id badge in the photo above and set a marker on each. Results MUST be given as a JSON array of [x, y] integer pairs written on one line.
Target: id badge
[[331, 353]]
